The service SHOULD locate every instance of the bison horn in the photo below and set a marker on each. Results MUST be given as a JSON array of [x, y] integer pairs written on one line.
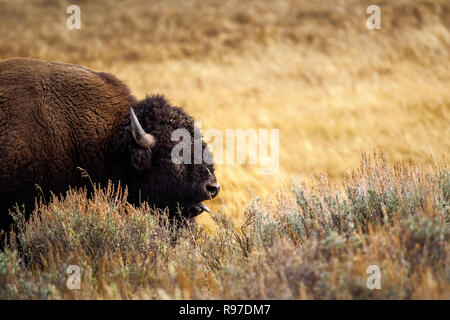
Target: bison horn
[[142, 138]]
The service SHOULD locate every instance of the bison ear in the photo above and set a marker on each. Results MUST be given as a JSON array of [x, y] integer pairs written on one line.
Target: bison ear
[[141, 159], [143, 139]]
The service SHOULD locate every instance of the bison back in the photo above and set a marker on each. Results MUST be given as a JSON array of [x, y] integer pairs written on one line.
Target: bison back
[[54, 118]]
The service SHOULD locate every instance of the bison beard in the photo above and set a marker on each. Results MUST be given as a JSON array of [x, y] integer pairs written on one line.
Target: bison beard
[[57, 117]]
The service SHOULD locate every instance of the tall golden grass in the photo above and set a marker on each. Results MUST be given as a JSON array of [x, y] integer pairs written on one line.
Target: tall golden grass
[[309, 68], [315, 243]]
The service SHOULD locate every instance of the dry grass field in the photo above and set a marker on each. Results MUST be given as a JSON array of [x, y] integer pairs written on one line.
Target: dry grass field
[[315, 244], [308, 68]]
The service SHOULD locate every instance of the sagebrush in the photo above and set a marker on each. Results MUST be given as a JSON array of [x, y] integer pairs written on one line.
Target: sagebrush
[[316, 242]]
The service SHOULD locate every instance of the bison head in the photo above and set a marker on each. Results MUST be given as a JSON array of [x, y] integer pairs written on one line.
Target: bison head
[[152, 175]]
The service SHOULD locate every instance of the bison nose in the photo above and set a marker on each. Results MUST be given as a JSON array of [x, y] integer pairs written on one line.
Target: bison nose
[[211, 189]]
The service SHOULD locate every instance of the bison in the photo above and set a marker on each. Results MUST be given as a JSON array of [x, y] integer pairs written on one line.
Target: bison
[[56, 118]]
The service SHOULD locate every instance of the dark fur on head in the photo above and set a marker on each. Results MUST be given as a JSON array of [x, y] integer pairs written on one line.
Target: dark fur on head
[[149, 172]]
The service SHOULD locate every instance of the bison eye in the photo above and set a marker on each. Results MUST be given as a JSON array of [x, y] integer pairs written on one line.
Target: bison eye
[[141, 159]]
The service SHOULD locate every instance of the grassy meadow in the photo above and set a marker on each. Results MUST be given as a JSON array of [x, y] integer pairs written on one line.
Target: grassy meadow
[[337, 92]]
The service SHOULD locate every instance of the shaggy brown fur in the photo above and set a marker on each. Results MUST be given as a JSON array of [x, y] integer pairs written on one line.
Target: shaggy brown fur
[[56, 117]]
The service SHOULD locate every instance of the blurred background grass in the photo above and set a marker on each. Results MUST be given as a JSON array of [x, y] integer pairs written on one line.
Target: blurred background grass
[[309, 68]]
